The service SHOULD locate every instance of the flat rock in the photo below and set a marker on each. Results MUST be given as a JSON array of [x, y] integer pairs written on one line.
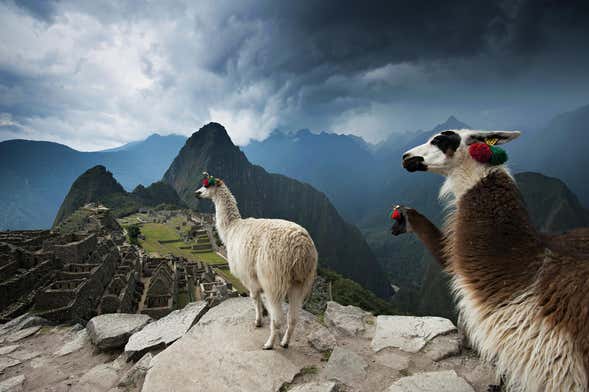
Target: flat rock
[[322, 340], [23, 333], [137, 372], [8, 349], [327, 386], [13, 384], [395, 361], [408, 333], [24, 355], [345, 366], [222, 352], [113, 330], [100, 378], [167, 329], [442, 347], [347, 320], [21, 322], [444, 381], [80, 339], [6, 362]]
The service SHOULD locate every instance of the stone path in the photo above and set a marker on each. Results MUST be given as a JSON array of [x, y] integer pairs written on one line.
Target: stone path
[[347, 350]]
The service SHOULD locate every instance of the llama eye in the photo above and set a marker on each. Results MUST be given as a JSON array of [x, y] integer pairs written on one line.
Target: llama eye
[[435, 142]]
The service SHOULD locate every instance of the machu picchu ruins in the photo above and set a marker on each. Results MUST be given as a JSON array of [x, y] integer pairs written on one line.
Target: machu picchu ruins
[[86, 266]]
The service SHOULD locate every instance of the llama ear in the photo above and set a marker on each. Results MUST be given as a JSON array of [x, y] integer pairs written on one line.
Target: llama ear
[[491, 137], [218, 182]]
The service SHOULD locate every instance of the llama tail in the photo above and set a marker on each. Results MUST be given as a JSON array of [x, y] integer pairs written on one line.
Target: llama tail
[[304, 264]]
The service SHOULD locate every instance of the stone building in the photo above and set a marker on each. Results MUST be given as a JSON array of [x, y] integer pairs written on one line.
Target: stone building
[[62, 274]]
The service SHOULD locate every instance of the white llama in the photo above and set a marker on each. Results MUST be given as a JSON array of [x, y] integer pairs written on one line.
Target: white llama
[[271, 256]]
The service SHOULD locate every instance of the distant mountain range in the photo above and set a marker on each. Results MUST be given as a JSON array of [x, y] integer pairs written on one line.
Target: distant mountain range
[[35, 176]]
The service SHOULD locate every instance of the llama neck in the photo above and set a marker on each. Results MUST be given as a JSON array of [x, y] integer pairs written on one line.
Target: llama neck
[[491, 237], [226, 211]]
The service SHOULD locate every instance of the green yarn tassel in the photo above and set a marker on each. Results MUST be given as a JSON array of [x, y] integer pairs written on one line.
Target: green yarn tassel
[[498, 156]]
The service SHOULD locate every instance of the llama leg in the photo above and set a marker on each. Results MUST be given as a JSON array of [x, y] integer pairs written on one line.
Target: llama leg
[[275, 310], [295, 302], [257, 297]]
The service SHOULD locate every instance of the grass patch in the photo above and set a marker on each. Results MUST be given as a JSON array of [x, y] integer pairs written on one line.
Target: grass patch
[[234, 281]]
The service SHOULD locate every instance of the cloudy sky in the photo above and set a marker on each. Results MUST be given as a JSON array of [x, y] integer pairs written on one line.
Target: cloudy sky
[[96, 74]]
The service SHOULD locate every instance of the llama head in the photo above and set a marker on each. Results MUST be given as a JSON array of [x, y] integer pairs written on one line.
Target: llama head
[[209, 186], [448, 150]]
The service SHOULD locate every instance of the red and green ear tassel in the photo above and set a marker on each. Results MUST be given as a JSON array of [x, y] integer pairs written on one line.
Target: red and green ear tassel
[[485, 153], [395, 214]]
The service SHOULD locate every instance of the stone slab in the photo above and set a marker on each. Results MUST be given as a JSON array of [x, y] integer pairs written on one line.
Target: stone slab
[[222, 352], [345, 366], [443, 381], [113, 330], [408, 333], [167, 329]]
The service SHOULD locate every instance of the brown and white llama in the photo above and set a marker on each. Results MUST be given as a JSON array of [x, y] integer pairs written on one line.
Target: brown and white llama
[[523, 297]]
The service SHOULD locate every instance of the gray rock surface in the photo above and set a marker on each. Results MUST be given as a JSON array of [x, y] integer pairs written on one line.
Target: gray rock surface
[[408, 333], [322, 340], [8, 349], [395, 361], [23, 333], [133, 376], [347, 320], [24, 355], [444, 346], [167, 329], [13, 384], [80, 339], [222, 352], [327, 386], [6, 362], [21, 322], [113, 330], [443, 381], [345, 366], [100, 378]]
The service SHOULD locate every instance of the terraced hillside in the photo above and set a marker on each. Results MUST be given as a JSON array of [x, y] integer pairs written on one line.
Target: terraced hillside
[[172, 236]]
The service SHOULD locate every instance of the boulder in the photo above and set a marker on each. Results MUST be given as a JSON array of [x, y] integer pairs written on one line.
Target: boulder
[[443, 381], [347, 320], [346, 366], [327, 386], [166, 330], [13, 384], [322, 340], [223, 351], [408, 333], [113, 330]]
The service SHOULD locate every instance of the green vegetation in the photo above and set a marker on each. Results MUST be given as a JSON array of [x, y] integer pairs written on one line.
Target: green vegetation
[[164, 239], [347, 292], [133, 232]]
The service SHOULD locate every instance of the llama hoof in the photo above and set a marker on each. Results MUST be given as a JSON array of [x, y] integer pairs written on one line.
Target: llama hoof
[[266, 347], [284, 345], [494, 388], [258, 323]]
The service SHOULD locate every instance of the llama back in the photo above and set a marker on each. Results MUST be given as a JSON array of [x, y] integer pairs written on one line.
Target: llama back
[[268, 238]]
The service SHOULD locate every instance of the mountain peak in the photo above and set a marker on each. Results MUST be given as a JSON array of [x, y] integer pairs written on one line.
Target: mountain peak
[[451, 123], [212, 132]]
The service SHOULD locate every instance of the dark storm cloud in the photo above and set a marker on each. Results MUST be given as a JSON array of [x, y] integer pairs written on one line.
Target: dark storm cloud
[[117, 70]]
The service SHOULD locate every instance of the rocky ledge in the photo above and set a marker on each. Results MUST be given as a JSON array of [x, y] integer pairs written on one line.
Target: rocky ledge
[[219, 349]]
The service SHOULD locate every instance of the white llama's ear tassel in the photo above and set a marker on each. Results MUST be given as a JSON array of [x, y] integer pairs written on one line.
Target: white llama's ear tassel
[[205, 174]]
